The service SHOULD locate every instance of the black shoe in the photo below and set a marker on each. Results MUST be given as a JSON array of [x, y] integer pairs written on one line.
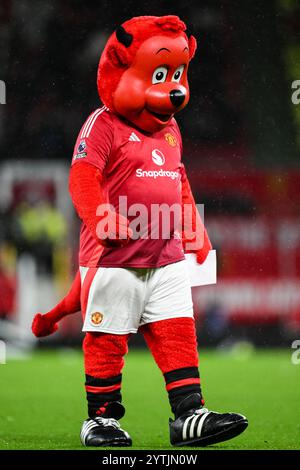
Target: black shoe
[[105, 430], [196, 426]]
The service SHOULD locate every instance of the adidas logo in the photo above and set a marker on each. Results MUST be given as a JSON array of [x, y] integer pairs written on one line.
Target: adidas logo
[[134, 138], [192, 427]]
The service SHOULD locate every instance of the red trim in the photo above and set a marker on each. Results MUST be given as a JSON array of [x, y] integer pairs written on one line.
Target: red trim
[[95, 256], [85, 289], [182, 383], [109, 388]]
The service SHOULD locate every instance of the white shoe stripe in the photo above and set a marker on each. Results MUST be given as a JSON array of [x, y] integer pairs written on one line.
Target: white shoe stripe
[[86, 428], [88, 121], [89, 425], [83, 434], [202, 419], [88, 131], [185, 427], [192, 426]]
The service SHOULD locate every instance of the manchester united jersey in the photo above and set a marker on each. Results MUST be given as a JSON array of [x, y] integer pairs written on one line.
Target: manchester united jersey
[[141, 172]]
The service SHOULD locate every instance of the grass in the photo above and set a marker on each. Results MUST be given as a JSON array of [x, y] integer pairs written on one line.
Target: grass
[[42, 399]]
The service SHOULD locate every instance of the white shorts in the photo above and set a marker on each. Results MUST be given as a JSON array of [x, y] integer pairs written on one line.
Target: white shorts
[[120, 300]]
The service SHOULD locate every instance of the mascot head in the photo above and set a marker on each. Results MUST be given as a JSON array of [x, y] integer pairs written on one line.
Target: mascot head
[[142, 73]]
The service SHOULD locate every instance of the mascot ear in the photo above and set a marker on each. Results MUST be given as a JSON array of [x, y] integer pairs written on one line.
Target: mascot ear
[[123, 37], [192, 46], [117, 56]]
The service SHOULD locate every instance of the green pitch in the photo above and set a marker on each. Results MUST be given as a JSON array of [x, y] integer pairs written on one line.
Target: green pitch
[[42, 399]]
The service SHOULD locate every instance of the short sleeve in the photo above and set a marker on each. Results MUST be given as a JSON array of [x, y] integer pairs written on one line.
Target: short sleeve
[[95, 139]]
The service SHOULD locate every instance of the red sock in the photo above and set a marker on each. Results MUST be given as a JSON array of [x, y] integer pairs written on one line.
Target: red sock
[[173, 344], [104, 360]]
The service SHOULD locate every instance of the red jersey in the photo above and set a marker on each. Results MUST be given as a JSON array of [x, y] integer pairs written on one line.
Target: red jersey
[[146, 169]]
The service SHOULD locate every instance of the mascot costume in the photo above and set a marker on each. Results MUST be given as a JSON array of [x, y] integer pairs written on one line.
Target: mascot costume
[[130, 149]]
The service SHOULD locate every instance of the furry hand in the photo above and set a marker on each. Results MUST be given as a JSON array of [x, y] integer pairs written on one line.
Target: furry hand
[[43, 325]]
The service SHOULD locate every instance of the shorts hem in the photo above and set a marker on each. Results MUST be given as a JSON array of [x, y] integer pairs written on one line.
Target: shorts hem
[[112, 332], [168, 317]]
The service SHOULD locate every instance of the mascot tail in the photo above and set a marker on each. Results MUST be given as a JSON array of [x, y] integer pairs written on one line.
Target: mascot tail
[[44, 325]]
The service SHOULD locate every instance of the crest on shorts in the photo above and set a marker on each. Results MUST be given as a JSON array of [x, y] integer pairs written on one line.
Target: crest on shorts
[[96, 318]]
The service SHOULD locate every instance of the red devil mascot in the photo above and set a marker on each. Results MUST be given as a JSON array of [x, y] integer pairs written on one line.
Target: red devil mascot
[[133, 274]]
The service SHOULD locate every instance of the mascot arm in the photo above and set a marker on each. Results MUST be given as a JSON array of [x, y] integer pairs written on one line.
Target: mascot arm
[[194, 232], [87, 195]]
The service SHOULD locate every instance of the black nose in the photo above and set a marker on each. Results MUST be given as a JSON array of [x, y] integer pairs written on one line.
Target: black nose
[[177, 97]]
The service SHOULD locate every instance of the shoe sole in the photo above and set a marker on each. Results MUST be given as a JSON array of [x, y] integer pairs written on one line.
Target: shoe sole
[[110, 444], [229, 433]]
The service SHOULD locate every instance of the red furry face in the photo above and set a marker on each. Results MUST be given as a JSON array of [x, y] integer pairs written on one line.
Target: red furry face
[[155, 85]]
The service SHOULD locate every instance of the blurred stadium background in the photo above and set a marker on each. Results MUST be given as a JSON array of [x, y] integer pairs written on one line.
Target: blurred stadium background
[[241, 148]]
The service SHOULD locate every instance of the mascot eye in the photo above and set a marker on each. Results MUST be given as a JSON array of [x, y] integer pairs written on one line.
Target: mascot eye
[[159, 75], [178, 74]]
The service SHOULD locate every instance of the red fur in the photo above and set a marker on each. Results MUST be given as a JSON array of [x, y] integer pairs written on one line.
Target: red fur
[[86, 193], [173, 343], [87, 196], [104, 354], [116, 57], [44, 325]]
